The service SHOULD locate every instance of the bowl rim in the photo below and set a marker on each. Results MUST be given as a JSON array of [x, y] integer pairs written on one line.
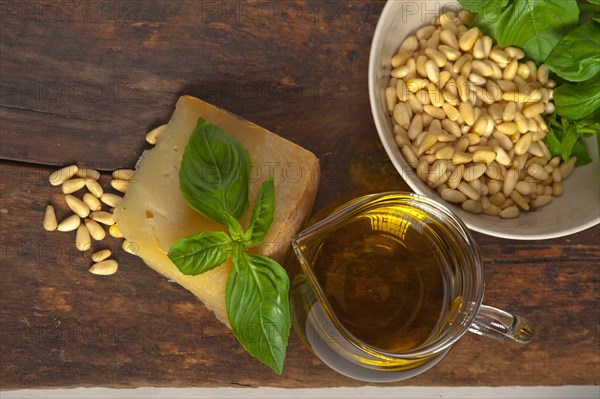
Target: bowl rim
[[392, 150]]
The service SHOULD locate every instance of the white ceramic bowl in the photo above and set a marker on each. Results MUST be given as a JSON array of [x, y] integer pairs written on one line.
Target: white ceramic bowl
[[576, 210]]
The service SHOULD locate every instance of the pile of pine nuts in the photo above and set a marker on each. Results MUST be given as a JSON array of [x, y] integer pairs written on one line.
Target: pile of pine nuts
[[89, 208], [468, 118], [88, 215]]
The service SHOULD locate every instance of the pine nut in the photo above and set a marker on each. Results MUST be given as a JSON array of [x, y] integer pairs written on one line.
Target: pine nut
[[92, 202], [478, 50], [415, 104], [450, 53], [510, 180], [153, 135], [467, 113], [104, 268], [130, 247], [468, 190], [94, 187], [83, 242], [522, 146], [482, 69], [460, 158], [111, 200], [422, 170], [123, 174], [494, 186], [416, 127], [62, 175], [540, 201], [519, 200], [472, 206], [477, 79], [425, 32], [411, 43], [510, 212], [451, 127], [429, 140], [436, 112], [434, 40], [96, 231], [557, 189], [453, 196], [114, 231], [492, 210], [401, 116], [449, 38], [456, 176], [499, 56], [537, 172], [484, 156], [437, 174], [409, 155], [515, 52], [72, 185], [533, 110], [474, 172], [103, 217], [69, 224], [434, 55], [501, 156], [451, 111], [391, 98], [567, 168], [523, 71], [445, 77], [50, 222], [542, 74], [519, 97], [432, 71], [445, 152], [120, 185], [400, 59], [487, 45], [467, 40], [401, 90], [400, 72], [422, 96], [101, 255], [508, 128], [511, 70], [88, 173], [509, 112], [79, 207]]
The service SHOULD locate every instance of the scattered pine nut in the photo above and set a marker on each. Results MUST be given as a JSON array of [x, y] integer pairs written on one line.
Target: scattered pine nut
[[69, 224], [83, 241], [94, 187], [72, 185], [111, 200], [62, 175], [101, 255], [92, 202], [103, 217], [50, 222], [115, 232], [96, 231], [120, 184], [123, 174], [79, 207], [104, 268], [88, 173]]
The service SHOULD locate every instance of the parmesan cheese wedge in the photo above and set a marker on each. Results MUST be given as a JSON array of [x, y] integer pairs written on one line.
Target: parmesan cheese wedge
[[154, 215]]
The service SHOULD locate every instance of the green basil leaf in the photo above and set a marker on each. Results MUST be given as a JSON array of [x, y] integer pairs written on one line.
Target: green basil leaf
[[215, 172], [577, 56], [536, 26], [569, 138], [578, 100], [596, 18], [257, 307], [581, 152], [262, 214], [201, 252]]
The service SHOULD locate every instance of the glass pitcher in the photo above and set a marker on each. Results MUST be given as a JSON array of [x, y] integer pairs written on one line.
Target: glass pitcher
[[387, 283]]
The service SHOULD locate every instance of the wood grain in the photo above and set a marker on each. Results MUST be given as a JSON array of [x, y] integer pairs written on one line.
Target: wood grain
[[85, 84]]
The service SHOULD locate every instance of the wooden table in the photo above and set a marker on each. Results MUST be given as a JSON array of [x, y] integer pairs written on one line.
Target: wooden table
[[83, 81]]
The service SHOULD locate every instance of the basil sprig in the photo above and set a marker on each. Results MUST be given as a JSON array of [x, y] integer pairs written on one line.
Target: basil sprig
[[565, 36], [214, 179]]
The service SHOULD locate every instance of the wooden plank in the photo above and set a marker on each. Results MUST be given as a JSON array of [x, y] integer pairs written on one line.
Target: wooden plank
[[63, 327], [83, 82]]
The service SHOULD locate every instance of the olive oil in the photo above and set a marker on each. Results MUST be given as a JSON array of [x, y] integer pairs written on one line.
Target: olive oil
[[382, 274]]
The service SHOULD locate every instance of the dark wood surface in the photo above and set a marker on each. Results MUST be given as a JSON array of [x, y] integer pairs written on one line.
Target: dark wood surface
[[82, 82]]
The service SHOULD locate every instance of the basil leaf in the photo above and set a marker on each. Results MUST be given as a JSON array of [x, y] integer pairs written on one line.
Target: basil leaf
[[581, 152], [577, 56], [199, 253], [262, 214], [578, 100], [257, 307], [536, 26], [214, 173]]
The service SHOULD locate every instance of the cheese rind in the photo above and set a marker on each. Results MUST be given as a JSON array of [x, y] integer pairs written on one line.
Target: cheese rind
[[154, 215]]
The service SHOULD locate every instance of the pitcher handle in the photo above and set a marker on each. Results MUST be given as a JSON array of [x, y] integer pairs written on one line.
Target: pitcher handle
[[498, 324]]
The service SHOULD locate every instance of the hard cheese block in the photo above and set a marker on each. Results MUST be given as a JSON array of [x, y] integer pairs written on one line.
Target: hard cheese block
[[154, 214]]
